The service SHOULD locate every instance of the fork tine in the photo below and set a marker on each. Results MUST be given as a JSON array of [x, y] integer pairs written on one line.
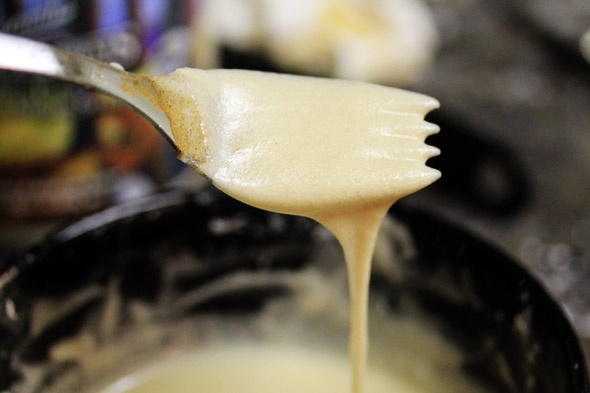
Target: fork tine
[[418, 153], [416, 103], [420, 129]]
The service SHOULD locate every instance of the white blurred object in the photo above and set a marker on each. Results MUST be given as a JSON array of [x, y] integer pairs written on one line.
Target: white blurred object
[[383, 41]]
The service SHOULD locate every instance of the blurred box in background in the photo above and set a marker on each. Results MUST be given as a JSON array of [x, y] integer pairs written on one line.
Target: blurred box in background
[[66, 151]]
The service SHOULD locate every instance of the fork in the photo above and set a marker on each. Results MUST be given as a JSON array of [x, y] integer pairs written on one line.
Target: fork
[[260, 136]]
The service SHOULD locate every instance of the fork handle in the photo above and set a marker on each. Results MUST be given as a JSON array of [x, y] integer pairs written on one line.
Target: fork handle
[[24, 55]]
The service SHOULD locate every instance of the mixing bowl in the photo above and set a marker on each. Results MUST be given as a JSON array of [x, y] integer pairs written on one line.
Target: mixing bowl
[[178, 272]]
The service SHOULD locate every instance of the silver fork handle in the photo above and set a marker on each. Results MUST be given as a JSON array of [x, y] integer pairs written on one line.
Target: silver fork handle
[[24, 55]]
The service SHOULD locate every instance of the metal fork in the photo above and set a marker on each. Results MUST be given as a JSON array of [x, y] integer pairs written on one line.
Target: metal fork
[[383, 128]]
